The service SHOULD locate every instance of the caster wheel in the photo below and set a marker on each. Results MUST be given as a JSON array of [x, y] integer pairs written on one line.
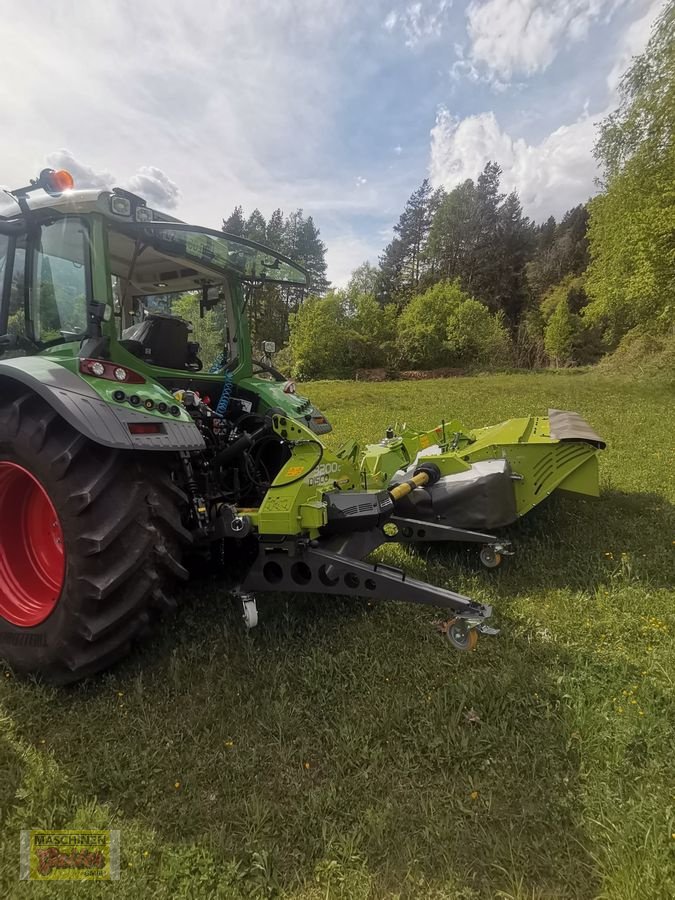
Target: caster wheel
[[490, 558], [461, 637]]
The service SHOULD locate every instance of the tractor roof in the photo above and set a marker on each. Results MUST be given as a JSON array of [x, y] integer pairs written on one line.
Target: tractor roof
[[72, 202], [216, 249]]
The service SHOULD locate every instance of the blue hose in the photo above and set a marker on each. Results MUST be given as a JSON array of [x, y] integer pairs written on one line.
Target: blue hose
[[226, 393]]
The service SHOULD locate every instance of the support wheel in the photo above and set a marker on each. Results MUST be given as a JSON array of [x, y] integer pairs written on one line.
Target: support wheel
[[461, 637], [490, 558]]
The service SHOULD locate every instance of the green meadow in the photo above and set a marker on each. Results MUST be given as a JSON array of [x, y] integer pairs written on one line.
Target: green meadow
[[345, 750]]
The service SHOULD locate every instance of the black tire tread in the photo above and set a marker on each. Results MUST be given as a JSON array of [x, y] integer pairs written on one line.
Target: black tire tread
[[125, 555]]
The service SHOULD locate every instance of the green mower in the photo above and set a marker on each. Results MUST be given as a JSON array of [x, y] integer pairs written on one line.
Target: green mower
[[123, 457]]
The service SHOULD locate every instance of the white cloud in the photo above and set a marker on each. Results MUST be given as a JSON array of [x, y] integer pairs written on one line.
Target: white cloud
[[151, 183], [521, 37], [550, 176], [85, 176], [465, 67], [420, 21], [360, 180], [557, 172], [155, 186], [398, 149]]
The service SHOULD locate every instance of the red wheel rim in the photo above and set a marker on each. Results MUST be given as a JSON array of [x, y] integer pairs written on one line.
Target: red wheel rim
[[32, 555]]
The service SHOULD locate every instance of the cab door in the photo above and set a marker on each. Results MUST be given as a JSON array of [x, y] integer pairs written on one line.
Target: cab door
[[13, 294]]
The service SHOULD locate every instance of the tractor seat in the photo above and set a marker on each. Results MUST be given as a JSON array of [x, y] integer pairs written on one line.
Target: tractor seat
[[162, 340]]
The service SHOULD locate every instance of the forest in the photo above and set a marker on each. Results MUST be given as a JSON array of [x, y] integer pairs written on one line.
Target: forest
[[469, 281]]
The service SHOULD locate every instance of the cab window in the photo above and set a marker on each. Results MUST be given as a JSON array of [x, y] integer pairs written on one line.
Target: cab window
[[60, 282], [12, 285]]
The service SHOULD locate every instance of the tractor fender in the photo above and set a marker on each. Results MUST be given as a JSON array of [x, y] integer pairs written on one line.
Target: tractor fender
[[79, 405]]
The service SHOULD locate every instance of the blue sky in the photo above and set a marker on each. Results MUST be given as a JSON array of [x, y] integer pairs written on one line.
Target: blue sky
[[341, 108]]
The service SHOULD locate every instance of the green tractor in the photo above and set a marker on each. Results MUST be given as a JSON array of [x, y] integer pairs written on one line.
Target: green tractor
[[123, 457]]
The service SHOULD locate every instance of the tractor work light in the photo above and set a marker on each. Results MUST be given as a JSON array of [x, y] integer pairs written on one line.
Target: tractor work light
[[120, 206], [143, 214], [103, 368]]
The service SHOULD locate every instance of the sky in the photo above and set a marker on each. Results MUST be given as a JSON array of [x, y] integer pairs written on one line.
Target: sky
[[338, 107]]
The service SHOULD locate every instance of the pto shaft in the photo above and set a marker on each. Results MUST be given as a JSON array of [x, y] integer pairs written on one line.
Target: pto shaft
[[427, 473]]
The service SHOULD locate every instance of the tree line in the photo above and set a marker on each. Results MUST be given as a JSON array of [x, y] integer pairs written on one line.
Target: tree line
[[469, 280], [270, 307]]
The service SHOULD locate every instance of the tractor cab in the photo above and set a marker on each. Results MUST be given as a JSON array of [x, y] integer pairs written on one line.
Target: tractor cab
[[101, 274]]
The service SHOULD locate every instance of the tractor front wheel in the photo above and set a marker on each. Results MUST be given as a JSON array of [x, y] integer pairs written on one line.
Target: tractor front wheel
[[90, 545]]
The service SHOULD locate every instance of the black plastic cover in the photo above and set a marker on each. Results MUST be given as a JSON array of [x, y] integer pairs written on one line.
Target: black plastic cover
[[481, 498], [356, 510]]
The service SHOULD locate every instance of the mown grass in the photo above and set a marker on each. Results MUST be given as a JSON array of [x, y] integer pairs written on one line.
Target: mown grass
[[344, 750]]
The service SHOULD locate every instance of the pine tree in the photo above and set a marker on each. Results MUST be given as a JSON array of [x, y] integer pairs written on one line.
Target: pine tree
[[295, 236], [311, 252], [274, 234], [560, 250], [389, 279], [255, 228], [405, 261], [480, 236], [235, 224]]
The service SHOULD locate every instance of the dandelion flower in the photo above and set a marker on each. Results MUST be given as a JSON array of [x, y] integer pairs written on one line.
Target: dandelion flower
[[474, 795]]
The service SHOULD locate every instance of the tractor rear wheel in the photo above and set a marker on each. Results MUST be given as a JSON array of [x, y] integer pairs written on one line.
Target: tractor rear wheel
[[90, 544]]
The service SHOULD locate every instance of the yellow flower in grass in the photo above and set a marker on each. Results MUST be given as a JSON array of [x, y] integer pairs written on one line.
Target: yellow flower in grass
[[177, 785], [474, 795]]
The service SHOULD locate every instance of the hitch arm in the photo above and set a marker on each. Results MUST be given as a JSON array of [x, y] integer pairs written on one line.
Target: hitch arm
[[407, 531], [314, 569], [411, 530]]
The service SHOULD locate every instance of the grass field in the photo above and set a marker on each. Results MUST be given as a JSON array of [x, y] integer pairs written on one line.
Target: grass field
[[344, 750]]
